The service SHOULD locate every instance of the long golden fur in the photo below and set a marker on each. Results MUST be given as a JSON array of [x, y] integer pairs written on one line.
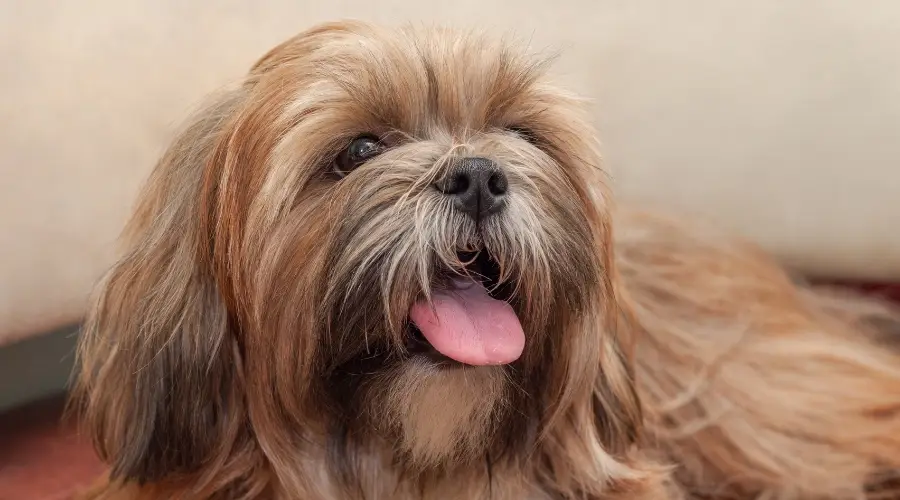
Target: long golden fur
[[251, 341]]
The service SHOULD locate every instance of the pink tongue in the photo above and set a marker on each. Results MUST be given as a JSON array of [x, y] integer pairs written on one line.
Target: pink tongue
[[467, 325]]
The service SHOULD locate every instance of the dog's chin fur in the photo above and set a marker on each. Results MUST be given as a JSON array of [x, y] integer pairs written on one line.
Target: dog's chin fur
[[254, 340]]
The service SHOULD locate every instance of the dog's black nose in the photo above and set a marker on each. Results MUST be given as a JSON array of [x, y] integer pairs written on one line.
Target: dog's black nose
[[477, 186]]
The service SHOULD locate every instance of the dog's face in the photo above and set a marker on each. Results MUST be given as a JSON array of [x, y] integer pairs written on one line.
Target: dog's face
[[392, 238]]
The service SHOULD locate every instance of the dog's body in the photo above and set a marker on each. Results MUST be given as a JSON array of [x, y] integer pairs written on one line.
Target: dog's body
[[278, 326]]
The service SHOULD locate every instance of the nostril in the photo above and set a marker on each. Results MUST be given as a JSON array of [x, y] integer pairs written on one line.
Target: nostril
[[497, 184], [454, 184], [459, 183]]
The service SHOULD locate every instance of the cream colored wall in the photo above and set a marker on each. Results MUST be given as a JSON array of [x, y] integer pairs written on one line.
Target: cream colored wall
[[777, 118]]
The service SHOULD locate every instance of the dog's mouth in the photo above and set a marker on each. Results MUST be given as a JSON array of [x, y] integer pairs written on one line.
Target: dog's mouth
[[470, 319]]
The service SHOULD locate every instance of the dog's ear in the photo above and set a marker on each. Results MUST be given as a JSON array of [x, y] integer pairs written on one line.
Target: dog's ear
[[618, 413], [598, 414], [158, 382]]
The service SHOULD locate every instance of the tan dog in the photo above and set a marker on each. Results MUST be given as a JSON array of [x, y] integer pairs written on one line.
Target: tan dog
[[384, 267]]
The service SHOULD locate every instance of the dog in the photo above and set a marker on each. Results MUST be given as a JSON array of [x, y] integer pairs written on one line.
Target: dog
[[387, 265]]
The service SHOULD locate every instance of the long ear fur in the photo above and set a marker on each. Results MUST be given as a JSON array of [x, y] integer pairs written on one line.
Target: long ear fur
[[159, 385], [160, 382], [596, 426]]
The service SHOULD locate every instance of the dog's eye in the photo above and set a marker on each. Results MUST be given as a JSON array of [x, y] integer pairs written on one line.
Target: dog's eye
[[359, 151], [525, 133]]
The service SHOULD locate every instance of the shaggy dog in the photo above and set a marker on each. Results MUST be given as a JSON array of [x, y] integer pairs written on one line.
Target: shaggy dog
[[386, 266]]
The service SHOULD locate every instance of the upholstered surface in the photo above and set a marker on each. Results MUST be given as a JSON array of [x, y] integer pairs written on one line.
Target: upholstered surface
[[777, 119]]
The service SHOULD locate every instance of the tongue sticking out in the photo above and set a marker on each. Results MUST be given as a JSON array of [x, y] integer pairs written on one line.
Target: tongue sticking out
[[467, 325]]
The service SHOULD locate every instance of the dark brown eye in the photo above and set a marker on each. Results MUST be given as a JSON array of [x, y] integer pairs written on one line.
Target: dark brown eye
[[359, 151], [525, 133]]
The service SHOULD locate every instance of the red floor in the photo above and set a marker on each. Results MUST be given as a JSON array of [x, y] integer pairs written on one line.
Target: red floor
[[42, 458]]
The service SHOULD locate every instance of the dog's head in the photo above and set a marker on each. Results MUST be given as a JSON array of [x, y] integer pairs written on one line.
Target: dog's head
[[388, 238]]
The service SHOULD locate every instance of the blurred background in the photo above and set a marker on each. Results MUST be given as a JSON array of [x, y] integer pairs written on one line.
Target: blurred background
[[777, 119]]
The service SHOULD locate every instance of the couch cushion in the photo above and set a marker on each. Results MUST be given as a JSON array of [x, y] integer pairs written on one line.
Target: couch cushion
[[769, 117]]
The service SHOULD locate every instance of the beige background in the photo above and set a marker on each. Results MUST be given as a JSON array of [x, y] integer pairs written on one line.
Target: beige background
[[776, 118]]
